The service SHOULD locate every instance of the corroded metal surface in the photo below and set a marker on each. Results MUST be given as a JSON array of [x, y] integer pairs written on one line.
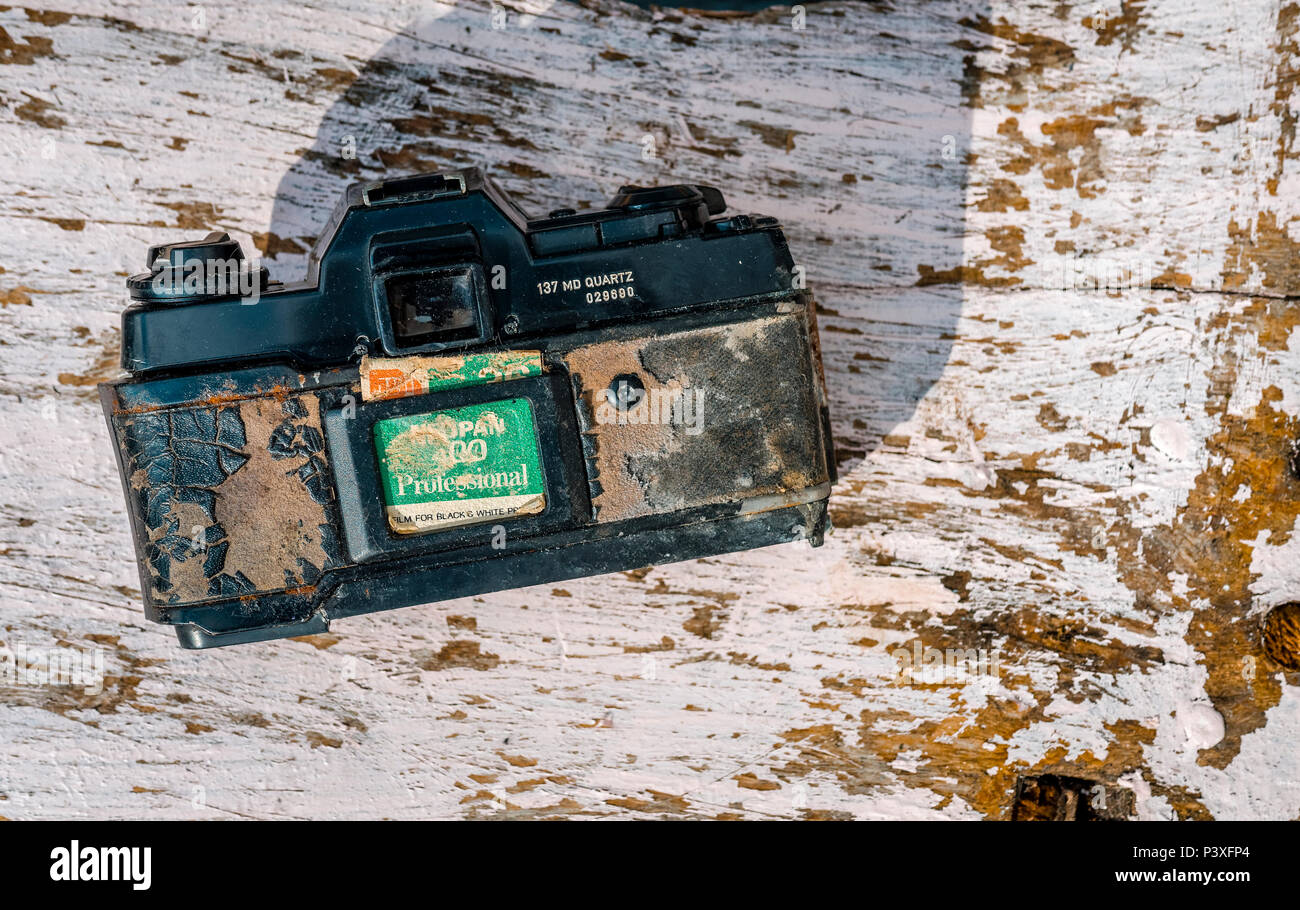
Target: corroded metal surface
[[232, 498], [725, 413]]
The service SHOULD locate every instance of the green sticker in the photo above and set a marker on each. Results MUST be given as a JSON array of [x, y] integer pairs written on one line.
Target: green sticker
[[461, 466], [397, 377], [473, 369]]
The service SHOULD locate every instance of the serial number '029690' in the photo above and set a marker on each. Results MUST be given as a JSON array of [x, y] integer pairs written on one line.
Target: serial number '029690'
[[600, 288]]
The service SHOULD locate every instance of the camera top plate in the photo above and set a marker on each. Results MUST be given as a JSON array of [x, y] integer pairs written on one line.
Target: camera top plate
[[448, 262]]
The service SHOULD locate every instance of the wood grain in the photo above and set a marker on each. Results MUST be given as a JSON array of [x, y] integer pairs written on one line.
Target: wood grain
[[1055, 247]]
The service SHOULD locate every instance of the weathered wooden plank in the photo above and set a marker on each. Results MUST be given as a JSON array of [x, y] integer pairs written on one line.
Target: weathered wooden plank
[[1091, 484]]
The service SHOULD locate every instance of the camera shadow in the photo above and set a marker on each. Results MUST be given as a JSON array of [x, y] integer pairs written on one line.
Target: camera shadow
[[849, 122]]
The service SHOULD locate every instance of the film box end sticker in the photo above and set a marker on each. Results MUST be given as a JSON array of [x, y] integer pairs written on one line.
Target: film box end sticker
[[463, 466], [399, 377]]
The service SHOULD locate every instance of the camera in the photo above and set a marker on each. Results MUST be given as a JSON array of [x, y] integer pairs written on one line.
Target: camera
[[461, 399]]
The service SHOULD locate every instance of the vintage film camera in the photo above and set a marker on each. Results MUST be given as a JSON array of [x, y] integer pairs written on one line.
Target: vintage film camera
[[460, 399]]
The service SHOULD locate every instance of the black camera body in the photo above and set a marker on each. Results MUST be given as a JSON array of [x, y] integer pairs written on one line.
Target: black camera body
[[460, 400]]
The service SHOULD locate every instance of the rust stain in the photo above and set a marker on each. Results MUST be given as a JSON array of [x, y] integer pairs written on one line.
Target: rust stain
[[272, 245], [277, 392], [955, 758], [120, 688], [321, 642], [1286, 77], [410, 158], [194, 215], [659, 803], [19, 296], [1246, 495], [1071, 156], [1124, 27], [107, 364], [666, 643], [1025, 55], [47, 17], [823, 748], [1265, 246], [1067, 134], [955, 755], [777, 137], [928, 275], [705, 621], [334, 80], [518, 761], [67, 224], [1002, 195], [24, 51], [460, 653], [39, 111], [1246, 490], [1207, 124]]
